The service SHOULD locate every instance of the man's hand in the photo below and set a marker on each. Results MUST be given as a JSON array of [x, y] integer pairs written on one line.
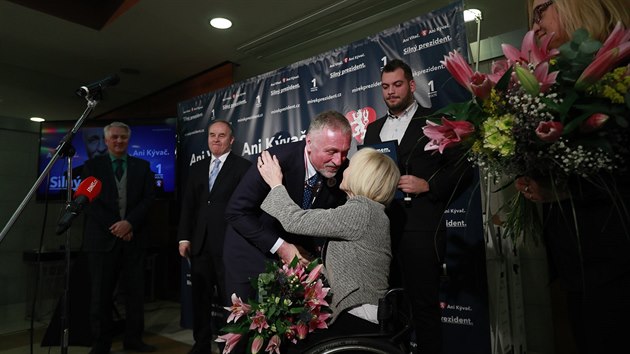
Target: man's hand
[[288, 251], [128, 236], [121, 229], [184, 249], [411, 184]]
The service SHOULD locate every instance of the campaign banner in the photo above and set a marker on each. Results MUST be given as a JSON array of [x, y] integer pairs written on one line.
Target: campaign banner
[[276, 108]]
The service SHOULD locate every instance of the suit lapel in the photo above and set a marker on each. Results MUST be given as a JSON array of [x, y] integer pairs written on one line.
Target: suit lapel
[[413, 134]]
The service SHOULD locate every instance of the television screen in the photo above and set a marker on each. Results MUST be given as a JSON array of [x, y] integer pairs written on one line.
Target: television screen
[[151, 140]]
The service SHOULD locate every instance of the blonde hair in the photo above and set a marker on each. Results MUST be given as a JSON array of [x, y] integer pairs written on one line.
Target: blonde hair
[[598, 17], [373, 175]]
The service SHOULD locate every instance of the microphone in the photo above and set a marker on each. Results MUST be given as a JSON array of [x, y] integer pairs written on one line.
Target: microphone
[[89, 189], [95, 87]]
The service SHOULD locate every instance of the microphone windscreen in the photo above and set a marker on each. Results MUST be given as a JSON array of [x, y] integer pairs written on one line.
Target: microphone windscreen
[[90, 188]]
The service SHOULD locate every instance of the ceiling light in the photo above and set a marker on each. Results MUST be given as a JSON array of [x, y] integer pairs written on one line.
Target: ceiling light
[[220, 23], [472, 15], [37, 119]]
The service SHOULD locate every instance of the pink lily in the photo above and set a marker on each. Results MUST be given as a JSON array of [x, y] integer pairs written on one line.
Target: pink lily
[[315, 295], [498, 70], [549, 131], [238, 309], [618, 36], [259, 322], [459, 68], [257, 343], [298, 271], [480, 85], [274, 345], [530, 51], [615, 49], [475, 82], [545, 79], [230, 339], [594, 122], [301, 330], [445, 135], [314, 274], [318, 321]]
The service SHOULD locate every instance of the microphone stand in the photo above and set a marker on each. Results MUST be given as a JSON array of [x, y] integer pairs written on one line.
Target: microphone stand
[[66, 149]]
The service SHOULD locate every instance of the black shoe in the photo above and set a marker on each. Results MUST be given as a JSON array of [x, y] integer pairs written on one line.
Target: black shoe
[[139, 346]]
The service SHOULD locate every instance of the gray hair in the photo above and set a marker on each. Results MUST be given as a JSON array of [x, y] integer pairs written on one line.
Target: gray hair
[[118, 125]]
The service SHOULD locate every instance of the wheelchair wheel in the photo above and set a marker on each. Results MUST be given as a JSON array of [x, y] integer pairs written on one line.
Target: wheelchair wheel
[[355, 345]]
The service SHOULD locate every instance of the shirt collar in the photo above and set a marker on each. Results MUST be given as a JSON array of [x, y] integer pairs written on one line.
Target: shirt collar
[[222, 157], [114, 158], [310, 170], [411, 109]]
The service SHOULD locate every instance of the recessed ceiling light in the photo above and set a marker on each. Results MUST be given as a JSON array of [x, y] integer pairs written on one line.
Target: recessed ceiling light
[[220, 23], [472, 15], [37, 119]]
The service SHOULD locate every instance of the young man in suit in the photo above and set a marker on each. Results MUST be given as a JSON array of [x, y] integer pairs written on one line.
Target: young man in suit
[[202, 225], [253, 236], [115, 239], [428, 182]]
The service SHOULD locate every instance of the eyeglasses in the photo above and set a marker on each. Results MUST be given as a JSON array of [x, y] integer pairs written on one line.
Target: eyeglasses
[[539, 11]]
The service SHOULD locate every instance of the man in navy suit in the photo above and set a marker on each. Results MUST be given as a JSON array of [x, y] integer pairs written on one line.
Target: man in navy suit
[[254, 237], [202, 225], [429, 182], [115, 239]]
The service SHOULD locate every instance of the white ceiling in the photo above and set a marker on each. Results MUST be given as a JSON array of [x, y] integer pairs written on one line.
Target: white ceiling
[[44, 59]]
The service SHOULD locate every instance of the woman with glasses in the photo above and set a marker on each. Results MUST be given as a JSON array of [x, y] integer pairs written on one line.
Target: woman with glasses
[[587, 224]]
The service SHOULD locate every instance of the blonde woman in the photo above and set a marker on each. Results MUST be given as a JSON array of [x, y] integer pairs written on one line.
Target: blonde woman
[[587, 223], [358, 253]]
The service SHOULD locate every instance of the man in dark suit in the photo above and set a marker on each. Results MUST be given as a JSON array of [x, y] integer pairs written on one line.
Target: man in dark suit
[[115, 239], [428, 182], [202, 225], [253, 236]]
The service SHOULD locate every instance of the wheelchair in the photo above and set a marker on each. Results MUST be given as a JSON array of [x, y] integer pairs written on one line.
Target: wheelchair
[[394, 317]]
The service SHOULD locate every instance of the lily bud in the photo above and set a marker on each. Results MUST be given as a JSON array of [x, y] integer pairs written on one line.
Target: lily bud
[[527, 79], [549, 131], [594, 122]]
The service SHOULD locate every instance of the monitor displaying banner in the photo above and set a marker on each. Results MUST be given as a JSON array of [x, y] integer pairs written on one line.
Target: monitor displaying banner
[[152, 140]]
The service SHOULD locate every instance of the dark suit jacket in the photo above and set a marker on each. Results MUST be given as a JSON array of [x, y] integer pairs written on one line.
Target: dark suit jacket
[[251, 233], [446, 174], [103, 211], [202, 220]]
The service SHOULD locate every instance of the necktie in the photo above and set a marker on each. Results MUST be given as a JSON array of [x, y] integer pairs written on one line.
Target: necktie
[[214, 172], [119, 169], [310, 188]]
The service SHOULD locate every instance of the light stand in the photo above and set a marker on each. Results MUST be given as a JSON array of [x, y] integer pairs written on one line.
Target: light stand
[[475, 15]]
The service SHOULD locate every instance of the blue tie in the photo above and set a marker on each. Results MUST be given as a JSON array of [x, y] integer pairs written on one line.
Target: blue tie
[[214, 172], [310, 188]]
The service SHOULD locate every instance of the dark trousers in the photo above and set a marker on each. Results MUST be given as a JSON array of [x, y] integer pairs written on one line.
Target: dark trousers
[[599, 316], [206, 275], [126, 262], [419, 256]]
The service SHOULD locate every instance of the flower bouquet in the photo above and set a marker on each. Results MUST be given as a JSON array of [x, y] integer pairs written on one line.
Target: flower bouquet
[[291, 303], [552, 114]]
